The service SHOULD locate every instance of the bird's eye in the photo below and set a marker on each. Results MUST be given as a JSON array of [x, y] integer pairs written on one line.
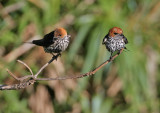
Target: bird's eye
[[115, 33]]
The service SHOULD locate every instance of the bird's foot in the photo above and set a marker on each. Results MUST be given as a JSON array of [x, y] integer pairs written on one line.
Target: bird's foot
[[56, 56], [110, 58], [59, 54], [118, 52]]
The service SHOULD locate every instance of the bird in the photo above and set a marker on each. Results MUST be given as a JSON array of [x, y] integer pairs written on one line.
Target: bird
[[115, 40], [54, 42]]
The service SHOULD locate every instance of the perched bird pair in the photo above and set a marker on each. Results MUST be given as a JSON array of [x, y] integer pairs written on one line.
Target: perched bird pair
[[57, 41]]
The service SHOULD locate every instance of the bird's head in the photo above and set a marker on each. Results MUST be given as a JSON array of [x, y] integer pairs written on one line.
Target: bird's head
[[115, 31], [60, 33]]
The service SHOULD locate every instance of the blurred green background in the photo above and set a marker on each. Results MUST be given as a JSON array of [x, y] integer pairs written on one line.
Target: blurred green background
[[129, 84]]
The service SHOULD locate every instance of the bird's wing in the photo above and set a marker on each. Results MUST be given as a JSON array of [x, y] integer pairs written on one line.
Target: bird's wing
[[48, 39], [105, 39], [125, 40], [49, 36]]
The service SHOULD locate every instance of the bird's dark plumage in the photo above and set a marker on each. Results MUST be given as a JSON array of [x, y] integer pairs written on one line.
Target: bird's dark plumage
[[46, 41], [125, 40]]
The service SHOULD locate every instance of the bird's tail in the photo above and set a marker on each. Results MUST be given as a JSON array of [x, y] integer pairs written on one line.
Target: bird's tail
[[28, 42], [36, 42]]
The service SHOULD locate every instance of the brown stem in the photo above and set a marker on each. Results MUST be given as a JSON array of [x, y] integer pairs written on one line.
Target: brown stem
[[26, 66], [53, 58], [25, 83], [82, 75]]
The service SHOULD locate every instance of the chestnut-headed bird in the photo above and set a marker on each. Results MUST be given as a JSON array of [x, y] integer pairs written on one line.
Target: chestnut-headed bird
[[115, 40], [54, 42]]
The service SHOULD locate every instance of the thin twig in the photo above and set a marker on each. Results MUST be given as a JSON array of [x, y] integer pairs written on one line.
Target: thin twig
[[26, 66], [12, 74], [21, 79], [17, 86], [53, 58]]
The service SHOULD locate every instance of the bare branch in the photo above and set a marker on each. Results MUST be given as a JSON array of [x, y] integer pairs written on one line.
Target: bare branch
[[21, 79], [81, 75], [26, 66], [17, 86], [53, 58], [12, 74], [33, 78], [23, 82]]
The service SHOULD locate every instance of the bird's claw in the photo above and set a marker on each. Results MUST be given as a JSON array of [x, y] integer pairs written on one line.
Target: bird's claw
[[110, 58], [118, 52], [59, 54], [56, 56]]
